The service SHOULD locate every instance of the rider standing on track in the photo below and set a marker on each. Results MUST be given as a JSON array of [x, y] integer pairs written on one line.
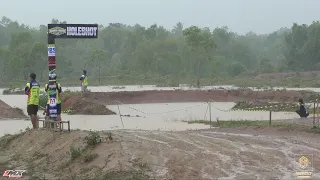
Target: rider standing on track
[[302, 111], [32, 89], [84, 81], [58, 92]]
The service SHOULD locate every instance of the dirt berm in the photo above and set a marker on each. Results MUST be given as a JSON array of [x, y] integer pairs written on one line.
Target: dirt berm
[[80, 105], [154, 96], [261, 153], [8, 112]]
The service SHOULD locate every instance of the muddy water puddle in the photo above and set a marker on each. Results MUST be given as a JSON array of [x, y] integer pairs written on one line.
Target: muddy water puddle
[[164, 116]]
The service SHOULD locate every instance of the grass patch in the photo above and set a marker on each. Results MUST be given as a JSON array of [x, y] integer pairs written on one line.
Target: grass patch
[[265, 106], [109, 136], [233, 124], [75, 152], [92, 139], [314, 129]]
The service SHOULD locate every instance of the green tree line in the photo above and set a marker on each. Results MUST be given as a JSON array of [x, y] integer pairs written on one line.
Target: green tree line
[[155, 51]]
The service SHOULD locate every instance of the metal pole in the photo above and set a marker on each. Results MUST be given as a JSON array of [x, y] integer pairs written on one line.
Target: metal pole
[[270, 114], [314, 114], [120, 115], [318, 111], [209, 104]]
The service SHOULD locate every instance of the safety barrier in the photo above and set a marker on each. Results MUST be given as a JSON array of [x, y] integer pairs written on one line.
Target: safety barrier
[[268, 109], [209, 104]]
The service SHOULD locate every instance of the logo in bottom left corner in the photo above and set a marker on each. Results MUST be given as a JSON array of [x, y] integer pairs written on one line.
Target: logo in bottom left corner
[[13, 173]]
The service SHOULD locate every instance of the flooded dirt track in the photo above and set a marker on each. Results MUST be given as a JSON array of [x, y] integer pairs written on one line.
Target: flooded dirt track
[[219, 154], [238, 153]]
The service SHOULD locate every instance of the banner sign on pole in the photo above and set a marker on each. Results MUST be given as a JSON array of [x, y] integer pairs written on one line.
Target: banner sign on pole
[[64, 31]]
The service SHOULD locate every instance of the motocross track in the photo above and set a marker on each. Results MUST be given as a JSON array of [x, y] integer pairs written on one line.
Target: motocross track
[[8, 112], [168, 96], [237, 153]]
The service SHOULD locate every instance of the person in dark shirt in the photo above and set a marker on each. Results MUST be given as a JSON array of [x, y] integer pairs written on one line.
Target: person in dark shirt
[[302, 111]]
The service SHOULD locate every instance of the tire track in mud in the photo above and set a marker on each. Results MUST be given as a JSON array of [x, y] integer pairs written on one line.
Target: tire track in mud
[[209, 155], [246, 155]]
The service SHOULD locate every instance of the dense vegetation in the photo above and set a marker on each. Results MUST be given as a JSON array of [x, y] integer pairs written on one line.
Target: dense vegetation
[[151, 52]]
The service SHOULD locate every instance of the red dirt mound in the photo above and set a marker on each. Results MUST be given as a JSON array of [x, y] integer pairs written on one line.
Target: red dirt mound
[[7, 111], [168, 96], [80, 105]]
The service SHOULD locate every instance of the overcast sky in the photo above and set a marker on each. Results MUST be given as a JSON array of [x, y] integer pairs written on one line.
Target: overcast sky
[[260, 16]]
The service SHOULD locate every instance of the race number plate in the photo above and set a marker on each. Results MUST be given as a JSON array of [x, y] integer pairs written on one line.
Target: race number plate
[[53, 102]]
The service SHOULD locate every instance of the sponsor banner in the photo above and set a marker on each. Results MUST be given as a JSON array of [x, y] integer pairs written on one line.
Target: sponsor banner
[[57, 30], [53, 111], [52, 75], [52, 71], [51, 50], [52, 92], [73, 30], [53, 115], [52, 86], [52, 61]]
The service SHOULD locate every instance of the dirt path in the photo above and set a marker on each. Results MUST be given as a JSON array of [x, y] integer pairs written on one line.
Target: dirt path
[[7, 111], [240, 153], [168, 96]]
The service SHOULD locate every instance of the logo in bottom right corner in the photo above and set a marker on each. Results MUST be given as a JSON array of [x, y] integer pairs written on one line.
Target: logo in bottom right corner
[[303, 166]]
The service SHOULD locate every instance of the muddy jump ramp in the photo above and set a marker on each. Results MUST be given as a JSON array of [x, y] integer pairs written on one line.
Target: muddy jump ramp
[[8, 112]]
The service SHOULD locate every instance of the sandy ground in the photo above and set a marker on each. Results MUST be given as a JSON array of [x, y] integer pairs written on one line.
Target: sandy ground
[[238, 153]]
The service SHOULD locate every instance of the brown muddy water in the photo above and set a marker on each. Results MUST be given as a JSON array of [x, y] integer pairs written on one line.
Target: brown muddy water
[[116, 88], [164, 116]]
